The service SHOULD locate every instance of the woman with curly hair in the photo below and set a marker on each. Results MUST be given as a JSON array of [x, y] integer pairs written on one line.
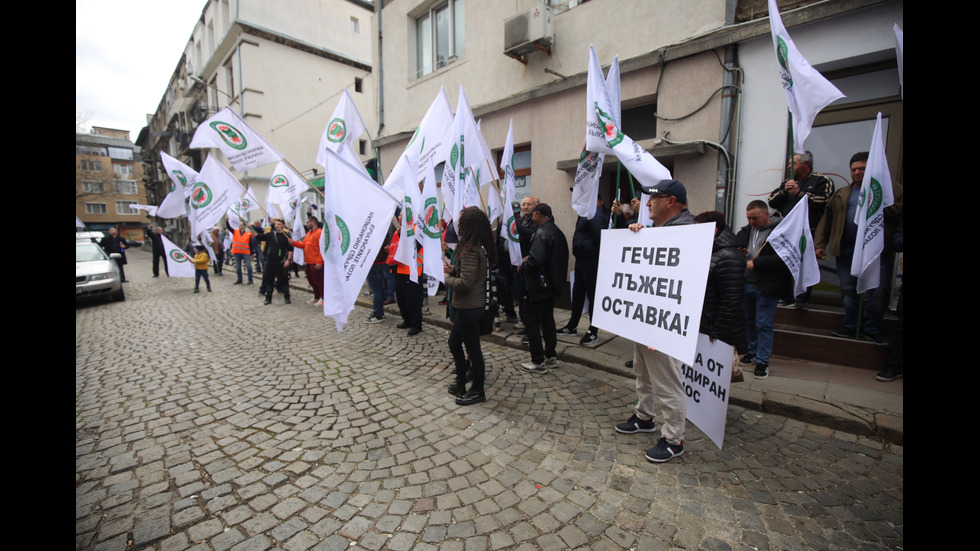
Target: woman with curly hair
[[467, 280]]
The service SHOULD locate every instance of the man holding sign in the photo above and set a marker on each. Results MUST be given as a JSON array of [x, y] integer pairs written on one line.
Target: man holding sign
[[659, 376]]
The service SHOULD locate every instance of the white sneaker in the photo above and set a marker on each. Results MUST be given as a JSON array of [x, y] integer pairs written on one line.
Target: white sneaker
[[537, 369], [551, 363], [318, 303]]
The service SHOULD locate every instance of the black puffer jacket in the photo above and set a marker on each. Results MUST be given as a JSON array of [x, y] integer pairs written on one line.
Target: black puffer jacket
[[723, 315], [547, 257]]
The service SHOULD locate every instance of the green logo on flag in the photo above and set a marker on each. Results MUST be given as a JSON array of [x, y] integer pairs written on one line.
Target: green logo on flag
[[180, 176], [875, 198], [431, 217], [230, 135], [802, 243], [512, 230], [613, 135], [782, 56], [344, 235], [178, 256], [201, 195], [337, 130], [279, 181], [453, 156], [409, 218]]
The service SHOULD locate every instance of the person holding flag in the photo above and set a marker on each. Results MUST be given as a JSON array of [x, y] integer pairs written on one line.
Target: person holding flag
[[837, 234], [279, 255], [313, 260]]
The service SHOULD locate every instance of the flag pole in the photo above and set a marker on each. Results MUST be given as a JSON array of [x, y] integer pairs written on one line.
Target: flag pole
[[311, 186]]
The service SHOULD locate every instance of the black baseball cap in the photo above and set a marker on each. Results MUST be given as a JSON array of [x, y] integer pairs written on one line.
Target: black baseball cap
[[544, 209], [669, 188]]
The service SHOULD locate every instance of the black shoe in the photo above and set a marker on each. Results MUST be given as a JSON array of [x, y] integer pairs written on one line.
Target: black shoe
[[888, 374], [250, 282], [404, 325], [761, 371], [567, 332], [629, 364], [747, 359], [414, 331], [470, 398], [268, 299], [287, 300], [453, 390], [589, 338], [237, 283], [525, 340]]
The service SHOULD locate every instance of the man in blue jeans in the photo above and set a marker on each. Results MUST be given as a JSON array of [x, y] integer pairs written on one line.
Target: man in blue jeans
[[766, 279]]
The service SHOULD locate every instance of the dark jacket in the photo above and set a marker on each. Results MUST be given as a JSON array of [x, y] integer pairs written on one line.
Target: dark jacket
[[115, 244], [588, 232], [547, 263], [770, 274], [723, 314], [816, 187], [525, 232]]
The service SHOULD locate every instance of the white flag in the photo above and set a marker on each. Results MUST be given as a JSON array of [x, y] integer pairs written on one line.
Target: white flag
[[807, 91], [179, 264], [876, 195], [356, 216], [403, 178], [638, 161], [511, 207], [79, 223], [180, 174], [299, 232], [459, 186], [241, 144], [586, 188], [174, 204], [215, 190], [285, 185], [792, 241], [429, 231], [345, 126], [431, 142], [245, 205], [150, 209]]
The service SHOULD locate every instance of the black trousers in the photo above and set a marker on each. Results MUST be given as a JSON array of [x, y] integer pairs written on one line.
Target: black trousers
[[586, 271], [157, 257], [466, 332], [540, 322], [408, 295], [275, 274]]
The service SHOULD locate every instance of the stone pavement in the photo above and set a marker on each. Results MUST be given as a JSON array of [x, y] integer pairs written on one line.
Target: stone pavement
[[212, 422]]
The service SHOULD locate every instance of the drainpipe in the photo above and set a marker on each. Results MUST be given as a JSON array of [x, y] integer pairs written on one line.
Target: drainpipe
[[725, 180]]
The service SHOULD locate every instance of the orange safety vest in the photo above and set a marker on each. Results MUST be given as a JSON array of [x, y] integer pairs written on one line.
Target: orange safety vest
[[239, 242]]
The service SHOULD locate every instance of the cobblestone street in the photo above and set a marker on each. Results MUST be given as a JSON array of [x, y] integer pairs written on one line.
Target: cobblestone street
[[211, 422]]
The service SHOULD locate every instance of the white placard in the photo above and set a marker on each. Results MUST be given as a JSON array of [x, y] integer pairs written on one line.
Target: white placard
[[650, 286]]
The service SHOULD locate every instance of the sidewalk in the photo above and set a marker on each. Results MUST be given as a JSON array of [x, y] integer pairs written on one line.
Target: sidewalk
[[837, 397]]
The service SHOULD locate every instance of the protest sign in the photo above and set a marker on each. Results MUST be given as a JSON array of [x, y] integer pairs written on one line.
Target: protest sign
[[706, 383], [650, 286]]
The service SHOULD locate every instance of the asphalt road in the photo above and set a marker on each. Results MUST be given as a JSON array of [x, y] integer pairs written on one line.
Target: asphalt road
[[209, 421]]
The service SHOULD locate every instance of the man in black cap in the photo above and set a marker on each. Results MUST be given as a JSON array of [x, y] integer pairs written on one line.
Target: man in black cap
[[544, 269], [658, 376]]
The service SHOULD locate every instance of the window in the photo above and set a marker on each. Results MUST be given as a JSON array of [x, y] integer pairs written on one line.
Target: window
[[124, 207], [93, 187], [126, 187], [362, 147], [90, 150], [354, 26], [121, 153], [522, 168], [358, 84], [122, 171], [95, 208], [439, 37], [91, 166]]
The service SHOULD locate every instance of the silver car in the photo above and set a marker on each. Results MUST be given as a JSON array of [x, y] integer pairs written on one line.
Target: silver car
[[96, 274]]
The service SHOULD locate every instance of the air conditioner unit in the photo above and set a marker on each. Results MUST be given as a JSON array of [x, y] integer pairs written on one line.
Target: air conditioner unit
[[529, 31]]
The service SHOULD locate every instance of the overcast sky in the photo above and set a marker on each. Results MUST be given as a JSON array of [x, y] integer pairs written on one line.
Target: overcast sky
[[125, 52]]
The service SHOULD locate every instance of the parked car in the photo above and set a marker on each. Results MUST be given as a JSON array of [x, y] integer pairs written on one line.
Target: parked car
[[96, 273]]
